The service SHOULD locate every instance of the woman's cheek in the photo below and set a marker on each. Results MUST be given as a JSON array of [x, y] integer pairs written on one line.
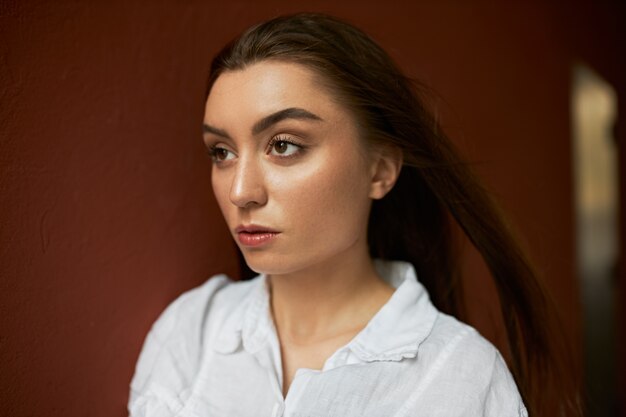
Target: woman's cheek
[[329, 198]]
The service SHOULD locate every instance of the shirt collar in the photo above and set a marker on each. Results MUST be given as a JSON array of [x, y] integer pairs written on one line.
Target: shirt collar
[[395, 332], [250, 322], [403, 323]]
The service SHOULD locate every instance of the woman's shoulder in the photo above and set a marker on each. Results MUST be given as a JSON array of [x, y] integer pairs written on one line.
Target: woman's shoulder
[[456, 343], [216, 297], [468, 368], [173, 349], [449, 334]]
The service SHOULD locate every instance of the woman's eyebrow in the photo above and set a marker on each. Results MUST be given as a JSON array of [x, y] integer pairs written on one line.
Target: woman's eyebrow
[[289, 113], [267, 121], [210, 129]]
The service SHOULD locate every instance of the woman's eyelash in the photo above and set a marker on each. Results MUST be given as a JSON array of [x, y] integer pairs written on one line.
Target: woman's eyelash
[[215, 151], [219, 153], [212, 151], [285, 140]]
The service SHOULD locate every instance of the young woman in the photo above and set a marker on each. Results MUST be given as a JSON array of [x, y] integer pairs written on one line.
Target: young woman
[[340, 190]]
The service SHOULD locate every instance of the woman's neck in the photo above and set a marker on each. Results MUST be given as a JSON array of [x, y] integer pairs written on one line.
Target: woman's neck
[[327, 300]]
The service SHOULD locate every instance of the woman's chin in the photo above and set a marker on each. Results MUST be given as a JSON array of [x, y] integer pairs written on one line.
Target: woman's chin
[[268, 265], [273, 264]]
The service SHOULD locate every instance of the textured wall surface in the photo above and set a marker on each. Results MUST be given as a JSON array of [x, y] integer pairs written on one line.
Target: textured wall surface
[[106, 211]]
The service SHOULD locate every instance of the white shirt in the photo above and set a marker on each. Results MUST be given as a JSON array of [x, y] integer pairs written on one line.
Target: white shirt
[[214, 352]]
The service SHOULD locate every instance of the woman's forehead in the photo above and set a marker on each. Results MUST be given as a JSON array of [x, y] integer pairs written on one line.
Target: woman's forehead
[[268, 79], [268, 87]]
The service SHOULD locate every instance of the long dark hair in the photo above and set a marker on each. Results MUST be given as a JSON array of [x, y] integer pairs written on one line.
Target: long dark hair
[[414, 221]]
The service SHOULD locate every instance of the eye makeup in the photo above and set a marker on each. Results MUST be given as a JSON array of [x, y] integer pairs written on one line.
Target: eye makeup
[[284, 146]]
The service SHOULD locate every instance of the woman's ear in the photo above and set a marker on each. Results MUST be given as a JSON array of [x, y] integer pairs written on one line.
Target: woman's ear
[[385, 169]]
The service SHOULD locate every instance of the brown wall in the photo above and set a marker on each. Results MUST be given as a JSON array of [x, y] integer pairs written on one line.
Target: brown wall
[[106, 212]]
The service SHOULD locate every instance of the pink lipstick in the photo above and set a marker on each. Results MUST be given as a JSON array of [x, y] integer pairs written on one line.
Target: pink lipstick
[[254, 235]]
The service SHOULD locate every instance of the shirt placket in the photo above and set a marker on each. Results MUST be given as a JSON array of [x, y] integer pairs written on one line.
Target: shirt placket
[[269, 357], [269, 361], [297, 390]]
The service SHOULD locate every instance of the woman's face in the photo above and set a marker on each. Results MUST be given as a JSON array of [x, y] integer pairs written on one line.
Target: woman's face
[[290, 173]]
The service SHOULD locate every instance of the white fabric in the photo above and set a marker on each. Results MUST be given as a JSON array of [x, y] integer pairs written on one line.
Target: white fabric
[[214, 352]]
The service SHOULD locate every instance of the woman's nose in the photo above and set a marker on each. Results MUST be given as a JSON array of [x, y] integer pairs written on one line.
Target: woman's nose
[[248, 187]]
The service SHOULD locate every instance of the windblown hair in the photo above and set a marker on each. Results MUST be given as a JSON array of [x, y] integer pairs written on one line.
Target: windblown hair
[[414, 221]]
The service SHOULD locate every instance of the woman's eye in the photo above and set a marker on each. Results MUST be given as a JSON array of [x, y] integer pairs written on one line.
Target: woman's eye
[[220, 154], [284, 148]]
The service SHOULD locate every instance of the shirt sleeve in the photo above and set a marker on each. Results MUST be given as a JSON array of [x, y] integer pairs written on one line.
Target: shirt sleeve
[[171, 354]]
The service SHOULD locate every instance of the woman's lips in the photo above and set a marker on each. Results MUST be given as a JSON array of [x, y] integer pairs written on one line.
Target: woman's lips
[[255, 236]]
